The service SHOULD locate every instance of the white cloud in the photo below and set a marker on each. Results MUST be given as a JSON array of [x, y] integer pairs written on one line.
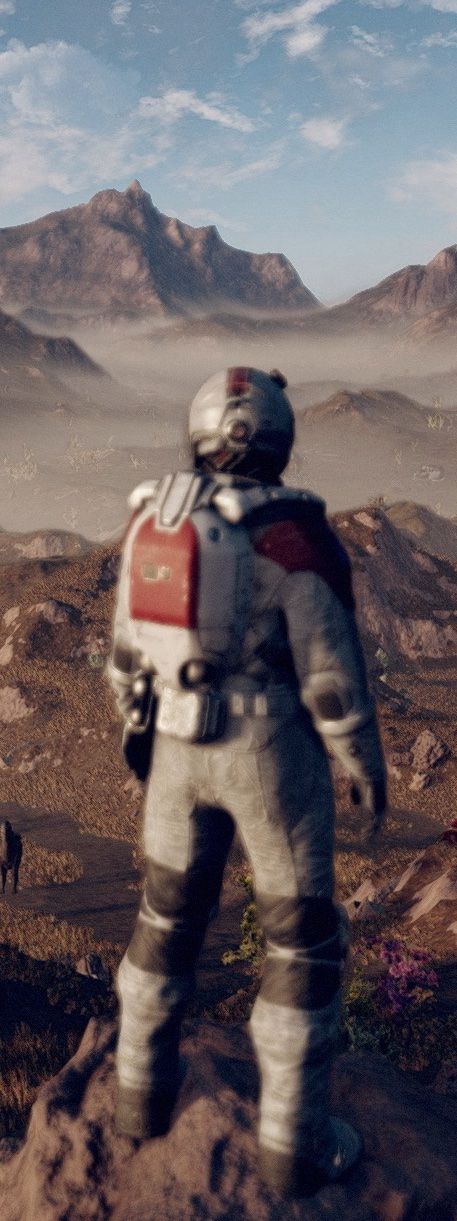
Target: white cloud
[[205, 216], [7, 8], [325, 132], [440, 6], [434, 180], [359, 82], [120, 12], [51, 82], [247, 4], [382, 3], [378, 45], [225, 175], [69, 122], [303, 41], [173, 105], [42, 89], [68, 161], [440, 40], [304, 36]]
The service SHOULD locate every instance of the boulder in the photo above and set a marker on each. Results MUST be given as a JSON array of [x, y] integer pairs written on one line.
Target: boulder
[[94, 967], [427, 751], [74, 1165]]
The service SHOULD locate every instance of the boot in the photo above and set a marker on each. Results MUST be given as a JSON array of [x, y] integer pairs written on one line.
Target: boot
[[143, 1114], [295, 1175], [301, 1146]]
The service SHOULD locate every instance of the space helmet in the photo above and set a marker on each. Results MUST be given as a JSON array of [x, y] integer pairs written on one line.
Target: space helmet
[[241, 420]]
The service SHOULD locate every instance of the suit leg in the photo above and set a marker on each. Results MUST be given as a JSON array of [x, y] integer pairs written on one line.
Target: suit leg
[[156, 975], [285, 812]]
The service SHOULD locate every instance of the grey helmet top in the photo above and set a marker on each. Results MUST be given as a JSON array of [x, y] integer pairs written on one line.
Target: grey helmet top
[[242, 420]]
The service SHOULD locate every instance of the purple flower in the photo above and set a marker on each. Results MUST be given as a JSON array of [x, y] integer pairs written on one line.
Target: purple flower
[[408, 971]]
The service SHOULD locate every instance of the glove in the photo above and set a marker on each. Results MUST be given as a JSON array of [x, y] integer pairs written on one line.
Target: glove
[[129, 689], [137, 749], [371, 795], [361, 755]]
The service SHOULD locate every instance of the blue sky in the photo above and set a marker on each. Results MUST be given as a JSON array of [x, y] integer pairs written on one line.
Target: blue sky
[[324, 129]]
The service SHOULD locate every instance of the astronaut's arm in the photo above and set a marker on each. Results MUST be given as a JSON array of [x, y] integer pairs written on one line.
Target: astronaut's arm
[[123, 665], [331, 671]]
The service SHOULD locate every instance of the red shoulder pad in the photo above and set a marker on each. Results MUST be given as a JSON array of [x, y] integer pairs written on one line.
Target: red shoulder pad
[[299, 546]]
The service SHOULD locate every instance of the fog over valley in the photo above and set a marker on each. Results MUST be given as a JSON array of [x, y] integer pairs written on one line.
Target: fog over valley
[[114, 314], [73, 445]]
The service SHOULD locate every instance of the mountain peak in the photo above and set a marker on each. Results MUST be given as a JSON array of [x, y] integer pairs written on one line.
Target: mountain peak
[[135, 190], [119, 255]]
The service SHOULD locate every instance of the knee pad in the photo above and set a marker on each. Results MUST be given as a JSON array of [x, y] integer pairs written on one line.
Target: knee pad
[[297, 923], [305, 951]]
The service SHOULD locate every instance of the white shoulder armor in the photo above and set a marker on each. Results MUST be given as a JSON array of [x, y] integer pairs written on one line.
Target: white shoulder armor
[[235, 503], [143, 492]]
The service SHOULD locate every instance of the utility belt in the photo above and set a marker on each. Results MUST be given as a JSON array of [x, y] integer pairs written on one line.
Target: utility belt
[[201, 715]]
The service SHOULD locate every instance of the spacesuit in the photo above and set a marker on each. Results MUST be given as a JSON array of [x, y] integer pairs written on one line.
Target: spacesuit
[[294, 686]]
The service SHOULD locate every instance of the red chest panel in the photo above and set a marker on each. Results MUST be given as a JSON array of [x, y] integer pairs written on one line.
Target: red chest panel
[[164, 571]]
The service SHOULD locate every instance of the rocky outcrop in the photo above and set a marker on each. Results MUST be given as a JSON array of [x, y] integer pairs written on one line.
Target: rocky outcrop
[[423, 894], [118, 255], [432, 532], [41, 545], [406, 600], [73, 1164]]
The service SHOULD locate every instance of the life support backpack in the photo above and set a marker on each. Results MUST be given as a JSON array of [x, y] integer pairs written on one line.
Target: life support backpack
[[185, 590], [186, 586], [188, 578]]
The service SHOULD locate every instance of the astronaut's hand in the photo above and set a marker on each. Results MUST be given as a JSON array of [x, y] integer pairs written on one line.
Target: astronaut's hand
[[371, 796]]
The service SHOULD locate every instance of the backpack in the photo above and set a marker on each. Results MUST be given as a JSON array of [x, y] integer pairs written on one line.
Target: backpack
[[190, 574], [185, 590]]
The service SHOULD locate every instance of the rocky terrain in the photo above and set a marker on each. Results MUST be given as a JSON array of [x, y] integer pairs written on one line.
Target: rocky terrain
[[436, 327], [19, 348], [74, 1165], [435, 534], [375, 439], [118, 256], [67, 790], [41, 545]]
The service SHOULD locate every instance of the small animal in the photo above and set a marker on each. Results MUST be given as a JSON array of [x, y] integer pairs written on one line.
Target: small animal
[[10, 853]]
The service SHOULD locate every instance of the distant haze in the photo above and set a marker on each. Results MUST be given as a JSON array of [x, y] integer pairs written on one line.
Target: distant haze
[[73, 446], [158, 306]]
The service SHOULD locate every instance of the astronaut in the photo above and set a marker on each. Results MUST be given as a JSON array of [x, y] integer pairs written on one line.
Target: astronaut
[[253, 684]]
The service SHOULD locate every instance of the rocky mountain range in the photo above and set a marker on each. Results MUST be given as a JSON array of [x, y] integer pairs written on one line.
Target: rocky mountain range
[[20, 348], [411, 292], [119, 255]]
